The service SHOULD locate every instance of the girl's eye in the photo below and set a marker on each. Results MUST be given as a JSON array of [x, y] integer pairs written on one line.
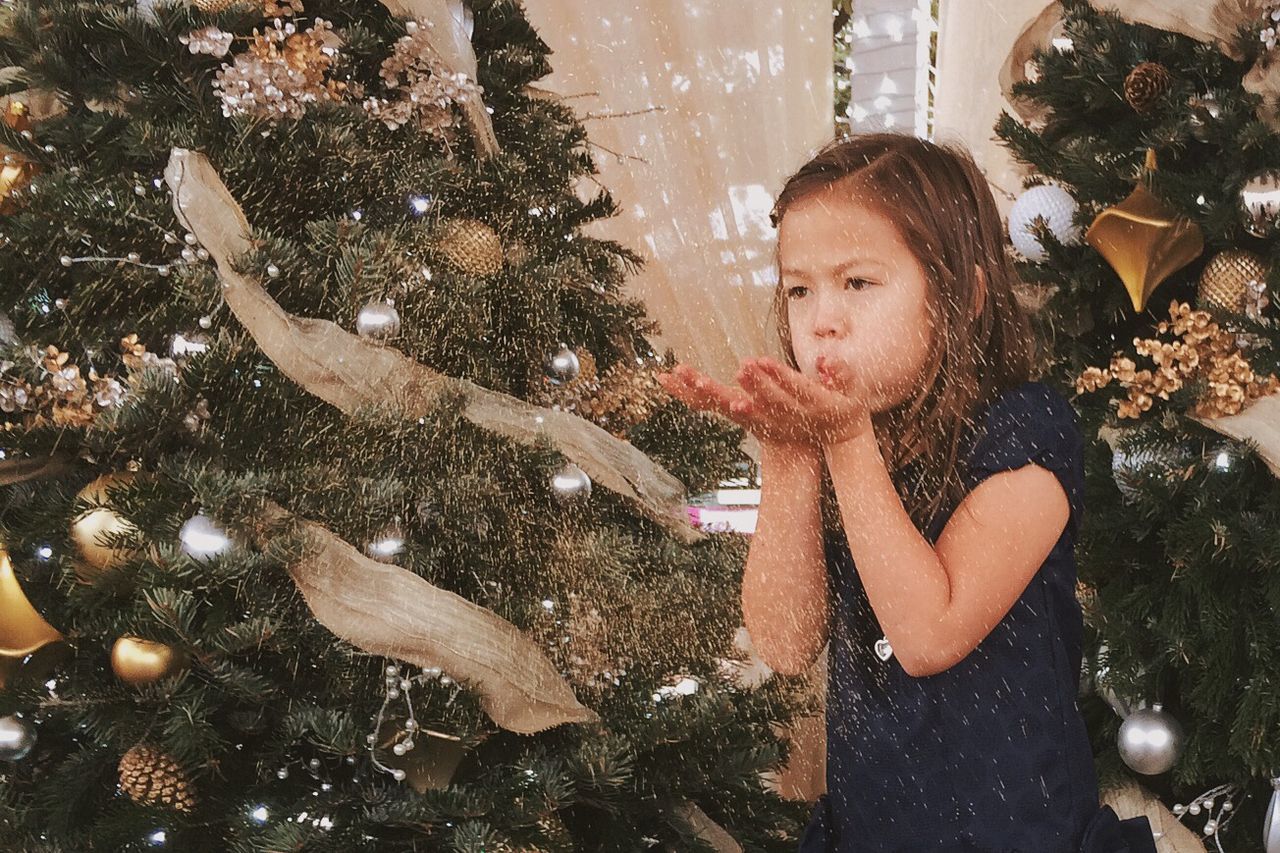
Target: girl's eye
[[793, 292], [861, 281]]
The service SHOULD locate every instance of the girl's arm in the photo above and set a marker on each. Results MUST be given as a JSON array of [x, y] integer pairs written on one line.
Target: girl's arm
[[784, 588], [936, 606]]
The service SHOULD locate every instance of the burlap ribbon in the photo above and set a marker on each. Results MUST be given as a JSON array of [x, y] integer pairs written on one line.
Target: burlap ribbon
[[389, 611], [1259, 422], [351, 372], [1212, 21]]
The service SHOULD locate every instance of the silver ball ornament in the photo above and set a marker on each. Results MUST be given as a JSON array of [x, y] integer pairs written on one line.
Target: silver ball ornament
[[147, 9], [1131, 467], [17, 738], [378, 320], [1260, 199], [1205, 110], [1271, 824], [387, 544], [571, 483], [563, 366], [1150, 740]]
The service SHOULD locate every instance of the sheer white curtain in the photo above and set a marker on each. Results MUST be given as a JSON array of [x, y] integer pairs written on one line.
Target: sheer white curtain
[[697, 111], [975, 38]]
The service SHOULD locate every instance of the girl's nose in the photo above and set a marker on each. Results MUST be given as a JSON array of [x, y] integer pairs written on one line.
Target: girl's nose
[[828, 318]]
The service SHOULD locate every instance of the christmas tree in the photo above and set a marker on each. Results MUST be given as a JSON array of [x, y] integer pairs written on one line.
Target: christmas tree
[[341, 508], [1148, 241]]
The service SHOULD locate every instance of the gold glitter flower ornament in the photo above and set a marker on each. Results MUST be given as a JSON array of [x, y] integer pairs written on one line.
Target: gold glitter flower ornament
[[1206, 354]]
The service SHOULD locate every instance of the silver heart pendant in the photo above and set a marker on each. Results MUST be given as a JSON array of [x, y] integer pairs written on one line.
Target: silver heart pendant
[[884, 651]]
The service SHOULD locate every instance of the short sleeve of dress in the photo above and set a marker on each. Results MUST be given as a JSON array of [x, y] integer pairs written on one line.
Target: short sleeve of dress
[[1033, 424]]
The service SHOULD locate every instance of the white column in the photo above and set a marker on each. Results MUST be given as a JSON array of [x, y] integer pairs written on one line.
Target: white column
[[889, 78]]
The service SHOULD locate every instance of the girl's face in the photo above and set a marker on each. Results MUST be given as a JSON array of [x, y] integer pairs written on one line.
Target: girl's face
[[855, 294]]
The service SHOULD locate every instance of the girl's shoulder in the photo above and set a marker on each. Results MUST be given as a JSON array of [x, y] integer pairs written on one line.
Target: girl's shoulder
[[1031, 423], [1032, 415], [1029, 402]]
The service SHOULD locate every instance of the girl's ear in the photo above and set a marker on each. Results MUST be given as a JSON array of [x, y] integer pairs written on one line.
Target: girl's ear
[[981, 299]]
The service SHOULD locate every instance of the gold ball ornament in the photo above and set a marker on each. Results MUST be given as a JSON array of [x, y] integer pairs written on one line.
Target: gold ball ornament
[[15, 171], [1144, 239], [1230, 279], [151, 778], [470, 246], [212, 7], [91, 529], [139, 662]]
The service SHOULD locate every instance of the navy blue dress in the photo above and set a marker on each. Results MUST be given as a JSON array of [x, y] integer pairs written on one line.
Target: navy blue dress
[[991, 755]]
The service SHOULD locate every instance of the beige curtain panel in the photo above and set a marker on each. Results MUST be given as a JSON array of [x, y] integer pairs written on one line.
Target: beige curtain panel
[[697, 111], [974, 41]]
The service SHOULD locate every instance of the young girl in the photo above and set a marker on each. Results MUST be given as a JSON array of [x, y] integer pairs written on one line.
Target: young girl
[[955, 653]]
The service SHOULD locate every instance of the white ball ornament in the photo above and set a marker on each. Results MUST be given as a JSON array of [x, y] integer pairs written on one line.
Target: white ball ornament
[[1271, 825], [1058, 209], [201, 538]]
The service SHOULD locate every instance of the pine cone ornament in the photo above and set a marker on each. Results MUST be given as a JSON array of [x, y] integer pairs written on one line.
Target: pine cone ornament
[[1146, 84], [470, 246], [212, 7], [150, 777], [616, 401], [517, 254], [627, 397]]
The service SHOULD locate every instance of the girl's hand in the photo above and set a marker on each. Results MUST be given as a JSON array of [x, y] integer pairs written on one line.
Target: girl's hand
[[699, 391], [779, 405], [828, 412]]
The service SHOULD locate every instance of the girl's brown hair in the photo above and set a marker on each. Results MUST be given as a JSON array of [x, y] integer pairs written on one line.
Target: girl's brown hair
[[939, 200]]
